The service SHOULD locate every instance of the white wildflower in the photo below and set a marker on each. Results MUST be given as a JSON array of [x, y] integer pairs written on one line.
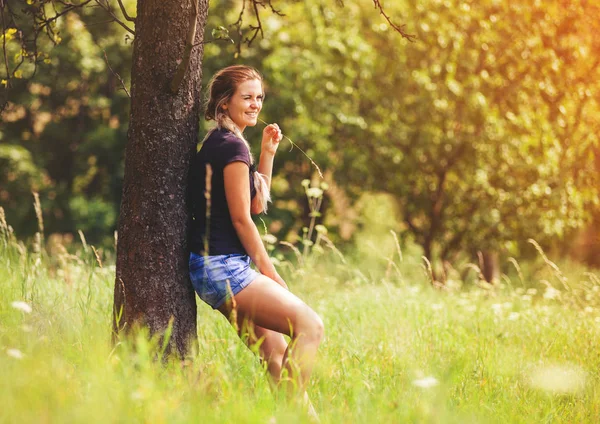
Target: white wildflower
[[526, 298], [437, 306], [588, 309], [21, 306], [551, 293], [519, 290], [14, 353], [532, 291], [559, 379], [269, 239], [513, 316], [321, 229], [315, 192], [426, 382], [497, 308]]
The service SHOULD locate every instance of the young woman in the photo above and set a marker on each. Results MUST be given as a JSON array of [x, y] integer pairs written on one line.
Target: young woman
[[226, 187]]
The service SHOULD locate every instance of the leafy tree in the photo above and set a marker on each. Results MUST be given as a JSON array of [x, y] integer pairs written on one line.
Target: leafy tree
[[71, 118], [480, 129]]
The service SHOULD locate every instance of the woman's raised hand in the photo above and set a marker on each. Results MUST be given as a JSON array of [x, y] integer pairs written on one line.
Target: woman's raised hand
[[271, 138]]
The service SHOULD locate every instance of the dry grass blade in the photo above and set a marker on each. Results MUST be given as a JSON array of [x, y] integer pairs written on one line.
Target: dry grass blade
[[97, 257], [303, 152], [391, 264], [330, 244], [294, 249], [429, 270], [3, 224], [593, 278], [233, 315], [552, 265], [397, 245], [38, 212], [474, 268], [83, 241], [518, 268]]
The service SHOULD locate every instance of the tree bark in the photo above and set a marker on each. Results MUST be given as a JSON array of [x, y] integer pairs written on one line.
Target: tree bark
[[152, 284]]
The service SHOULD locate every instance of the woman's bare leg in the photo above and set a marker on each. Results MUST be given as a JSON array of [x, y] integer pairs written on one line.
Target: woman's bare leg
[[272, 344], [268, 305]]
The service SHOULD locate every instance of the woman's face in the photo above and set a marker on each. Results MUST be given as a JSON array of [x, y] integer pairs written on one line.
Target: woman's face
[[245, 104]]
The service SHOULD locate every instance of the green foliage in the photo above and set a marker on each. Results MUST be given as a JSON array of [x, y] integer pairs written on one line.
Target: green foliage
[[93, 217], [71, 118], [484, 130], [481, 129], [19, 178]]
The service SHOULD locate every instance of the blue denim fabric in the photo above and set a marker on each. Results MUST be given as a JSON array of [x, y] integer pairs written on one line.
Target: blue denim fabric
[[210, 276]]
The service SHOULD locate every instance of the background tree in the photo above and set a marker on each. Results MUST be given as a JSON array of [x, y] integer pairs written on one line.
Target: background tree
[[481, 129], [71, 119]]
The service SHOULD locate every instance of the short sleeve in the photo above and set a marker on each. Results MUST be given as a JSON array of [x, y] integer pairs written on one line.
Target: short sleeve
[[234, 150]]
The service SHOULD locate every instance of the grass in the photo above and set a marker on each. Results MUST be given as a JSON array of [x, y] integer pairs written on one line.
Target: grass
[[396, 350]]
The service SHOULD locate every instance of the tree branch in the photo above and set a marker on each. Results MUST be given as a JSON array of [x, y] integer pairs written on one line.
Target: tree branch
[[258, 28], [117, 20], [116, 75], [399, 29], [124, 12], [58, 15], [4, 46]]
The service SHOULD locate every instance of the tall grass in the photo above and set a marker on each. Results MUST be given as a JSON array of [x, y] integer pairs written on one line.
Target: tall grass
[[396, 349]]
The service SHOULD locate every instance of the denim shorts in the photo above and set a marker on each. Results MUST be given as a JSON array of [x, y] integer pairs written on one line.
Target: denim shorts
[[211, 275]]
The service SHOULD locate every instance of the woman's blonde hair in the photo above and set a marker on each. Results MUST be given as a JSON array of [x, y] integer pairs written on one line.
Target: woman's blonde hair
[[220, 89]]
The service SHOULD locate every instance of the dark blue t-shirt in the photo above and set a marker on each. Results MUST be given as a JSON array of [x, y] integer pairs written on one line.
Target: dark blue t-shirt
[[221, 148]]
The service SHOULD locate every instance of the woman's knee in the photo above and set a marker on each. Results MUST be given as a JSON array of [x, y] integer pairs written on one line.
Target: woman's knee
[[310, 325]]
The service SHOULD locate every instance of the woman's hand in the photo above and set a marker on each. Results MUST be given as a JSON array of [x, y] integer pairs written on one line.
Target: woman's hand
[[274, 275], [270, 139], [280, 281]]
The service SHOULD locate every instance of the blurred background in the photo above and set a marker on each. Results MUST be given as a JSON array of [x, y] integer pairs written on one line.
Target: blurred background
[[478, 136]]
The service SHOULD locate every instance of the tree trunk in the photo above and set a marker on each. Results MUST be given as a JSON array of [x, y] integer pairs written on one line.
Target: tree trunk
[[152, 284], [490, 268]]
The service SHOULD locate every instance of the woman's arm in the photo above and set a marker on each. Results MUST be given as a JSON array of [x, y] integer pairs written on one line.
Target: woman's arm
[[237, 181], [270, 141]]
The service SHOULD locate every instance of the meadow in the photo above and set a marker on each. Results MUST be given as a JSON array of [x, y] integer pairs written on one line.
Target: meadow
[[396, 349]]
